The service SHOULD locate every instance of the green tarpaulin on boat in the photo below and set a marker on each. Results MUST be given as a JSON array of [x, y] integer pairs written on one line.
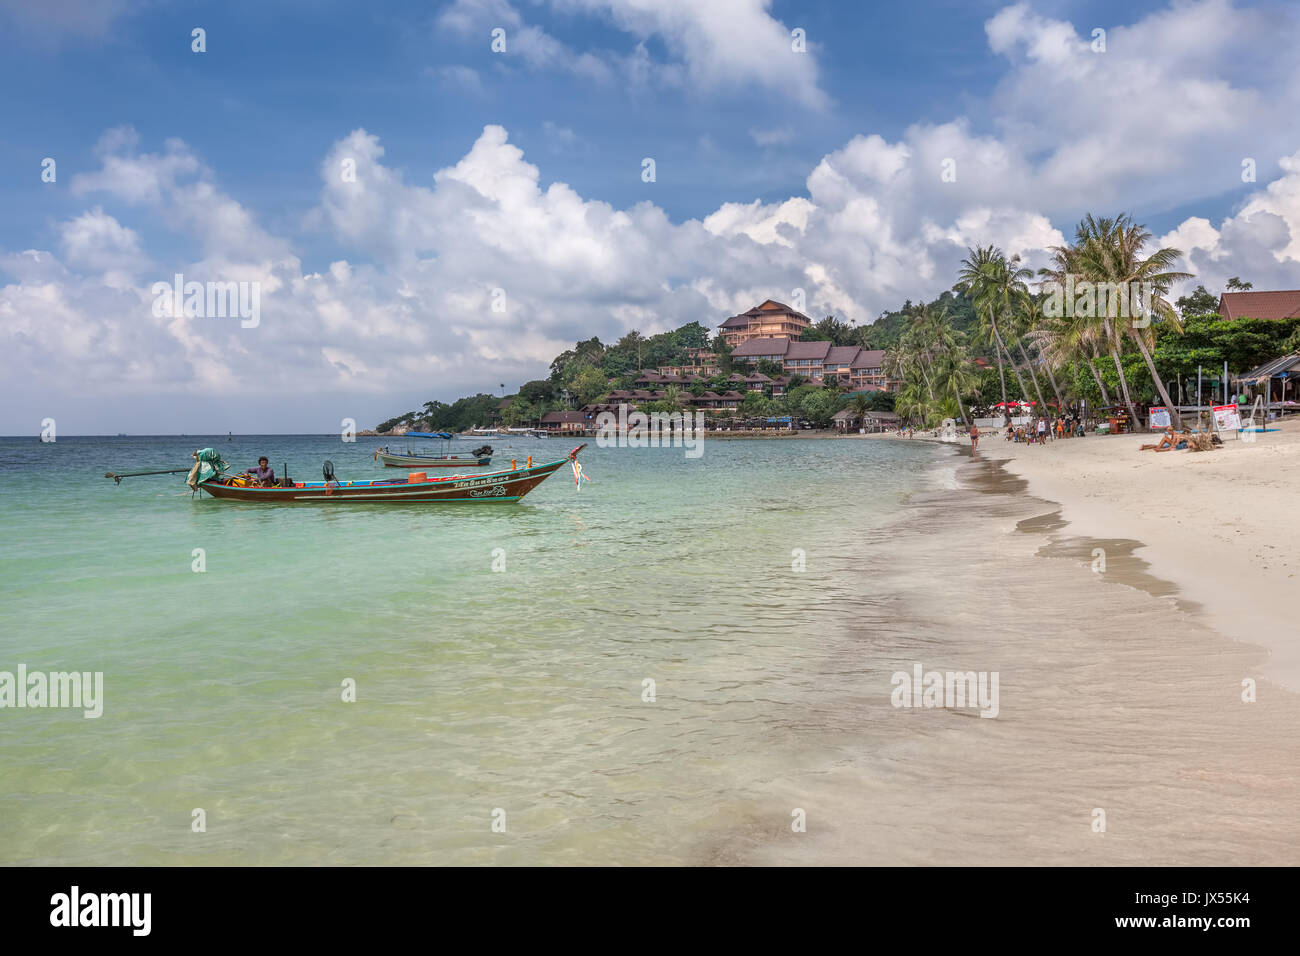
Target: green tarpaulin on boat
[[209, 464]]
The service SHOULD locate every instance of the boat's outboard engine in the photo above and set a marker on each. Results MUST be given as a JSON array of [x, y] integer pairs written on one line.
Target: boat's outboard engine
[[481, 451], [327, 471]]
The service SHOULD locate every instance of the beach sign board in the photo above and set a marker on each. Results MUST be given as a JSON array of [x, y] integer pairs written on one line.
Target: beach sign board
[[1226, 417], [1159, 418]]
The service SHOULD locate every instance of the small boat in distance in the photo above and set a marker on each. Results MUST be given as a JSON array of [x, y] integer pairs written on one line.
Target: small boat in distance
[[477, 458]]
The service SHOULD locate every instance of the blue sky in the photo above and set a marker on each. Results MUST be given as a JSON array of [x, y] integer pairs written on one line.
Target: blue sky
[[586, 90]]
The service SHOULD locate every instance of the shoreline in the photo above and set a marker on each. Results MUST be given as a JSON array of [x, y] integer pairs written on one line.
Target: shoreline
[[1118, 697], [1236, 562]]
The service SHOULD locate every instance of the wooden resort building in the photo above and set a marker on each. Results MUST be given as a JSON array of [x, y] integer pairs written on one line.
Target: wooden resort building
[[820, 362], [770, 319]]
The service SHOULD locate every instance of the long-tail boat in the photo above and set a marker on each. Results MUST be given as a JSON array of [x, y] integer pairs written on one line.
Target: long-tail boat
[[475, 459], [509, 485]]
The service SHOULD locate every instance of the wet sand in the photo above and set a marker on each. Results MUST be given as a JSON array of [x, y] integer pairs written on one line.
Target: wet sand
[[1116, 695]]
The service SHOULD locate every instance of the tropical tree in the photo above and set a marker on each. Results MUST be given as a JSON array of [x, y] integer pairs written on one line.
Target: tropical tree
[[1120, 257], [995, 283], [1067, 263]]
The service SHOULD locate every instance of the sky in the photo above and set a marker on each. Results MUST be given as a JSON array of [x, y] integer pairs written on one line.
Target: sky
[[431, 200]]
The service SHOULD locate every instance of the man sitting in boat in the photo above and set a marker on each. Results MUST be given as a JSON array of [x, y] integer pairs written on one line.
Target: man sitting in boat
[[263, 474]]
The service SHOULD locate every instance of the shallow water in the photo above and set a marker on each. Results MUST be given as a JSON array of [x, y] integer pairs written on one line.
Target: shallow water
[[520, 691], [478, 690]]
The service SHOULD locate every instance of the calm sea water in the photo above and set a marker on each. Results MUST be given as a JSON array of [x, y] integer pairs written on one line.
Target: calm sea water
[[478, 690]]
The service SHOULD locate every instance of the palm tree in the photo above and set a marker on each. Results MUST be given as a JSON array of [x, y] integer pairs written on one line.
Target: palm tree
[[1028, 317], [860, 405], [1032, 320], [1068, 261], [1065, 340], [995, 283], [673, 398], [1118, 258], [910, 403]]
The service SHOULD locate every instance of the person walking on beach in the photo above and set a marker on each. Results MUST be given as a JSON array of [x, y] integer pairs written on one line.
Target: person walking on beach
[[1042, 431], [974, 437]]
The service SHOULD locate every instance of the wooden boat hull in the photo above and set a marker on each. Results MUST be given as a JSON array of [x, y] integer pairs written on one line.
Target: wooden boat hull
[[491, 486], [415, 461]]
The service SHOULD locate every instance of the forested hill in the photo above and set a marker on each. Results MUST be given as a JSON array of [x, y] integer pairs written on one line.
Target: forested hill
[[590, 369]]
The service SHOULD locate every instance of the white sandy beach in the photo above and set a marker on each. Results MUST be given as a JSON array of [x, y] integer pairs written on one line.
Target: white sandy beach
[[1120, 693], [1221, 525]]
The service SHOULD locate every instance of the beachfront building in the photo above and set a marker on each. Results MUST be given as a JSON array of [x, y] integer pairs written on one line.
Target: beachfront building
[[771, 319], [1260, 305], [848, 420], [565, 422]]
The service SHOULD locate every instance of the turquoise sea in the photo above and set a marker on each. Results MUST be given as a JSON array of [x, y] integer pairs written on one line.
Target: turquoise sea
[[500, 652]]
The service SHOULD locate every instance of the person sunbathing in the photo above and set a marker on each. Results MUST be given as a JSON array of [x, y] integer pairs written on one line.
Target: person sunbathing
[[1168, 442]]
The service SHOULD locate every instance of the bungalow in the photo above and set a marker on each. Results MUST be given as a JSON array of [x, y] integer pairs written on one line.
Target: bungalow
[[566, 422], [847, 419]]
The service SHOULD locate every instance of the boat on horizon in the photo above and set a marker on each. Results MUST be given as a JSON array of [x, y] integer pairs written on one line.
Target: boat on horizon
[[477, 458]]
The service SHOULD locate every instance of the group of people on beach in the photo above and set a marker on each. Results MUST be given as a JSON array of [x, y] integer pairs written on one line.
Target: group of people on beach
[[1040, 432]]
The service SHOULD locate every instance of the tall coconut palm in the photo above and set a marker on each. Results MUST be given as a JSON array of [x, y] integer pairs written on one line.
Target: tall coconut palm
[[1066, 262], [1029, 318], [994, 283], [1119, 258]]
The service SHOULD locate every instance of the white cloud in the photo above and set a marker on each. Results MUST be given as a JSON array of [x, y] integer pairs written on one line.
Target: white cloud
[[721, 45], [95, 241], [406, 299], [1260, 243]]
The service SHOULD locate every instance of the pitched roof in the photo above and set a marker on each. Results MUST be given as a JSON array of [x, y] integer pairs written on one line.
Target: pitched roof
[[764, 308], [869, 358], [842, 354], [1260, 305], [564, 417], [807, 350], [765, 345], [1287, 363]]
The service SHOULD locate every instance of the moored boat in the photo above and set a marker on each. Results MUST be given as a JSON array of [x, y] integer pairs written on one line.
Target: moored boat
[[509, 485]]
